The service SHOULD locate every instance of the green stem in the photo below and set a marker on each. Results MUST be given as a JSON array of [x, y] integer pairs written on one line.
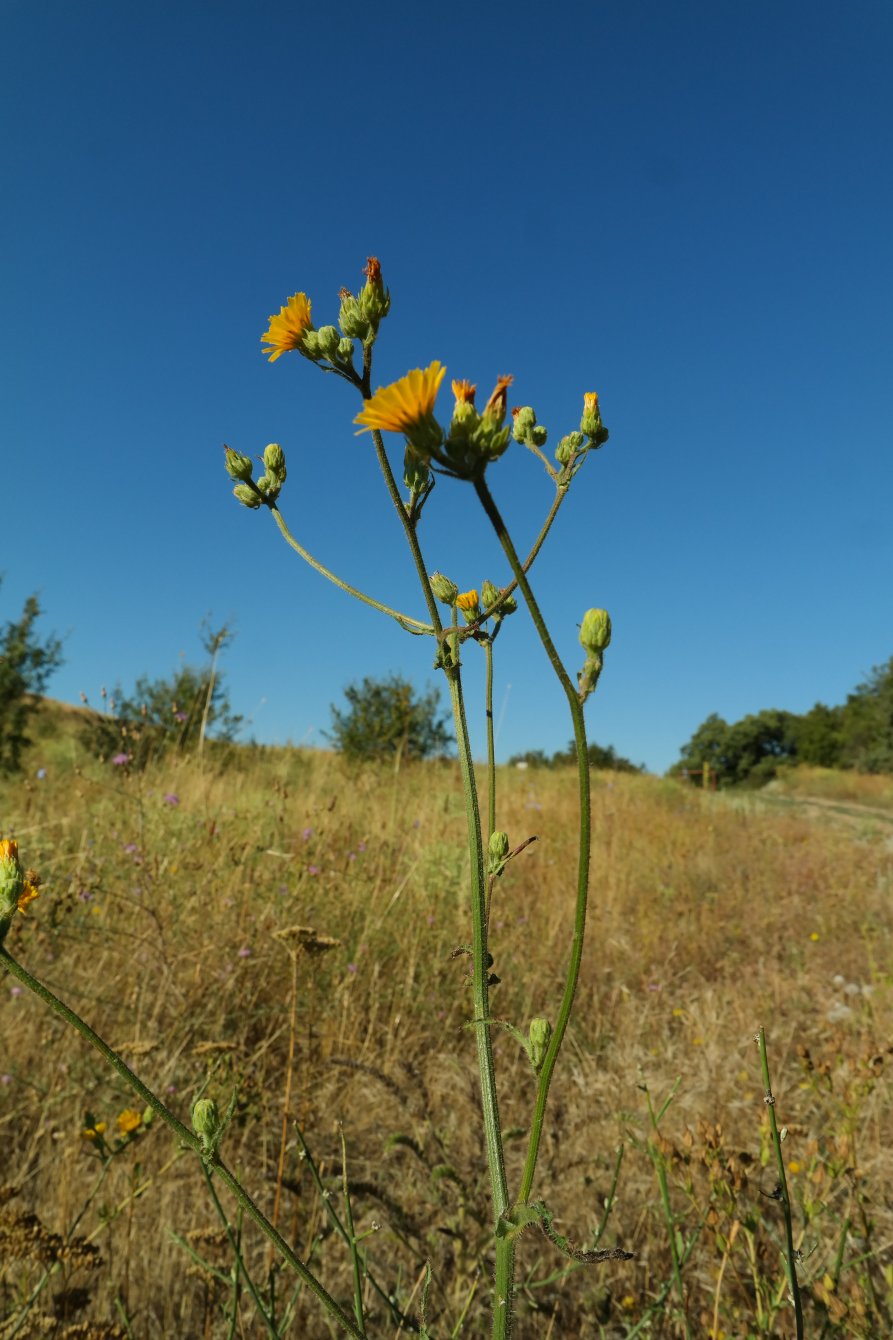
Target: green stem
[[559, 498], [491, 752], [576, 710], [236, 1249], [186, 1136], [411, 625], [791, 1252]]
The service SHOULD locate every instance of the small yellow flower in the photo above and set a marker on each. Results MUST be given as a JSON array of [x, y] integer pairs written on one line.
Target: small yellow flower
[[94, 1132], [627, 1302], [590, 402], [287, 330], [128, 1121], [468, 601], [464, 392], [814, 936], [794, 1167], [18, 887], [398, 408]]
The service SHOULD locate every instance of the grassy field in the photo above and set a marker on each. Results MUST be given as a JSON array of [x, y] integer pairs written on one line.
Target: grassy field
[[164, 919]]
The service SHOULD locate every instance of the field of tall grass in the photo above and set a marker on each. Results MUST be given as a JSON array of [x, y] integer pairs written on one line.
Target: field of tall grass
[[169, 918]]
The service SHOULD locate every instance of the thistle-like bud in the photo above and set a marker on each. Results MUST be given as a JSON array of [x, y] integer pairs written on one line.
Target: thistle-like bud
[[591, 422], [568, 447], [595, 631], [274, 461], [497, 852], [444, 589], [247, 495], [329, 340], [310, 345], [489, 594], [351, 320], [206, 1123], [494, 410], [237, 465], [345, 350], [469, 605], [539, 1034], [375, 300], [415, 471], [538, 435], [523, 419]]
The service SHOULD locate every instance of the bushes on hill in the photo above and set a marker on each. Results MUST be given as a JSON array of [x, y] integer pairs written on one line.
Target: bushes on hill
[[26, 663], [386, 718]]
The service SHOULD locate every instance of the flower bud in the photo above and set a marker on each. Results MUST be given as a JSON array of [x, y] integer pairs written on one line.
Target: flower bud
[[595, 631], [494, 410], [345, 351], [274, 460], [416, 473], [539, 1033], [523, 419], [237, 465], [469, 605], [206, 1122], [497, 852], [12, 878], [375, 300], [538, 435], [591, 422], [444, 589], [329, 340], [351, 320], [310, 345], [247, 495], [489, 594]]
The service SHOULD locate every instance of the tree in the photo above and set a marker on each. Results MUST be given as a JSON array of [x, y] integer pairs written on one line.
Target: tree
[[26, 664], [748, 752], [867, 722], [386, 718], [171, 713], [819, 737]]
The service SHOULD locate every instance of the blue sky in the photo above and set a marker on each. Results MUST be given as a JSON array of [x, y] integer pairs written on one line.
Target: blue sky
[[685, 207]]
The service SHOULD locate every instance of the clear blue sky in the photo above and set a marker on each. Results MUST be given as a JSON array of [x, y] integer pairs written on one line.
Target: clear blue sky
[[687, 207]]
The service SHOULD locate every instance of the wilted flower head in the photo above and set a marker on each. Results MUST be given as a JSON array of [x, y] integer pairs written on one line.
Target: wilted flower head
[[496, 405], [464, 392], [18, 887], [287, 330]]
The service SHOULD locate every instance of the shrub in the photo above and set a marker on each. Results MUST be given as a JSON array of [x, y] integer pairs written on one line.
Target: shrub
[[386, 718]]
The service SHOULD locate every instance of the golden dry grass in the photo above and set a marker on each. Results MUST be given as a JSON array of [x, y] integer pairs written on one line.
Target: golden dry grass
[[159, 922]]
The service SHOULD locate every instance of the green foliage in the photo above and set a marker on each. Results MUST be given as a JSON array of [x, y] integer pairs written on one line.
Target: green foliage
[[601, 757], [867, 723], [858, 735], [385, 718], [172, 713], [26, 663]]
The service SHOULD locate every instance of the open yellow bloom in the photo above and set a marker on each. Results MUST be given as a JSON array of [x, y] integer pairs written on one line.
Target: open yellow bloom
[[287, 330], [468, 600], [128, 1121], [398, 408], [93, 1132], [18, 887]]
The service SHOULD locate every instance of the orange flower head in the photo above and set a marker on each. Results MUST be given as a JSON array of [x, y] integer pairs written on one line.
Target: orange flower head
[[372, 270], [128, 1121], [464, 392], [495, 406], [590, 402], [406, 403], [287, 330]]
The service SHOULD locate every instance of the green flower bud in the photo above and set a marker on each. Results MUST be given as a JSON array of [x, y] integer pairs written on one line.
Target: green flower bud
[[523, 420], [206, 1122], [351, 320], [416, 473], [310, 345], [498, 846], [329, 340], [591, 422], [595, 631], [375, 300], [237, 465], [489, 594], [345, 351], [246, 495], [539, 1033], [443, 588], [274, 460], [12, 878], [538, 435]]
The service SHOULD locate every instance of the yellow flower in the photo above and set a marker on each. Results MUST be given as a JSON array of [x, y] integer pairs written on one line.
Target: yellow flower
[[794, 1167], [814, 936], [128, 1121], [464, 392], [94, 1132], [468, 601], [288, 328], [18, 887], [404, 404], [590, 402]]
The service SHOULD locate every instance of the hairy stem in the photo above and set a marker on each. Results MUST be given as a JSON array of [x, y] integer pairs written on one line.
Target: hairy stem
[[576, 710]]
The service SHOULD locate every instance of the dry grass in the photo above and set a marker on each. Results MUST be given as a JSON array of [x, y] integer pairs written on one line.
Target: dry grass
[[159, 923]]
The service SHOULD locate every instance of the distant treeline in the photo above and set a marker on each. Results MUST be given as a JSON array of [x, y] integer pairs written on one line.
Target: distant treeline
[[858, 735], [599, 757]]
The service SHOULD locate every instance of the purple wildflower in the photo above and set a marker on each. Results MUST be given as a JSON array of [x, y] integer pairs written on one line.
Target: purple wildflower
[[120, 760], [172, 798]]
